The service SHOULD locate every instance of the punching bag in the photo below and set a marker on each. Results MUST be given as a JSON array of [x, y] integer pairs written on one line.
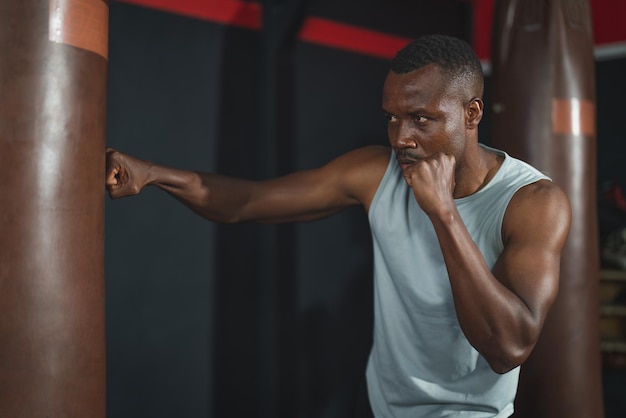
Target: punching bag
[[53, 67], [544, 113]]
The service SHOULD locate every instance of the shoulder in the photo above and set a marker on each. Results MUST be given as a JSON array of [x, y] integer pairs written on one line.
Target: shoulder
[[543, 193], [539, 208], [360, 171]]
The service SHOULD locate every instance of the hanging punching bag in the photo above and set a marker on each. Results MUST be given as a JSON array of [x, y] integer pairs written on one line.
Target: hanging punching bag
[[544, 113], [53, 66]]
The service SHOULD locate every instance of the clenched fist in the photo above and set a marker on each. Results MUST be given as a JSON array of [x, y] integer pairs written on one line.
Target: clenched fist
[[432, 180], [125, 175]]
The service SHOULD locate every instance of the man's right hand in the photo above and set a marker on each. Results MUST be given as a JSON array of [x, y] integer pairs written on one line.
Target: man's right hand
[[432, 180], [125, 175]]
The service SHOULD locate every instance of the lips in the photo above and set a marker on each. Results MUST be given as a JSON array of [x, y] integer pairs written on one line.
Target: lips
[[405, 163], [405, 159], [409, 155]]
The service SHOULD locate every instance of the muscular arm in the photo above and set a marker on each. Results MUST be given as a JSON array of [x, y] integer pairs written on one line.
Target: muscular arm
[[302, 196], [502, 311]]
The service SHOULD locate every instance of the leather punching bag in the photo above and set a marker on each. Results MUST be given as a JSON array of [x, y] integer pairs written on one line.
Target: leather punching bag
[[544, 113], [53, 68]]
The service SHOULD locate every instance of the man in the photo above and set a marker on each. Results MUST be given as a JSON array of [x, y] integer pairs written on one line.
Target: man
[[467, 240]]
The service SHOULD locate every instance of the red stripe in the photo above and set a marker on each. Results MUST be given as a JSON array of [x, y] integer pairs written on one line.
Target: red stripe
[[481, 31], [608, 21], [229, 12], [351, 38], [314, 30]]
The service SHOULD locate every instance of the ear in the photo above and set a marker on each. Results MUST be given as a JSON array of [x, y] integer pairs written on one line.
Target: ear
[[474, 113]]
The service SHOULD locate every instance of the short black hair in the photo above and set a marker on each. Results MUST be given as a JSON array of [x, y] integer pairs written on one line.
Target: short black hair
[[452, 54]]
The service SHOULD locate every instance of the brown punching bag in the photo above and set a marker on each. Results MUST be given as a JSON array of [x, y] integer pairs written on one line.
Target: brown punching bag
[[544, 113], [53, 67]]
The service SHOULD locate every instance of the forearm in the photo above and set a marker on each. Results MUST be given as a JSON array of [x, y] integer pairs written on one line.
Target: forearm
[[212, 196], [494, 319]]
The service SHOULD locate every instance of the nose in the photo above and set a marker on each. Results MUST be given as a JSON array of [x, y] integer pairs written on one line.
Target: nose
[[401, 135]]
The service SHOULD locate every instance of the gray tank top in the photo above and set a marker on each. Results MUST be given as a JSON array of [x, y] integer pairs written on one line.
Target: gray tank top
[[421, 364]]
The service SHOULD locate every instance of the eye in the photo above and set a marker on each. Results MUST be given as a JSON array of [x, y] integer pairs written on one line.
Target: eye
[[390, 118], [420, 119]]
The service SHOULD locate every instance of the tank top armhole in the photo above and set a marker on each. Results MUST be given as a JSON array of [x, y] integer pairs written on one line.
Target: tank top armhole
[[381, 186]]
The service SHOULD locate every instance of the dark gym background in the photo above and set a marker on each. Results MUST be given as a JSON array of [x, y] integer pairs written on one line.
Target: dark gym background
[[244, 321]]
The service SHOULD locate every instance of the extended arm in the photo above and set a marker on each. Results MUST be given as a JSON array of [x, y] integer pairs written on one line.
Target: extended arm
[[302, 196]]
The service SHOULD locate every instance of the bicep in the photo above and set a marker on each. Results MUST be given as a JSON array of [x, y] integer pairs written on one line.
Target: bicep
[[308, 195], [535, 229]]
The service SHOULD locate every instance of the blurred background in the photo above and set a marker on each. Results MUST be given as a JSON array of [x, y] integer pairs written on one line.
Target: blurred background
[[207, 320]]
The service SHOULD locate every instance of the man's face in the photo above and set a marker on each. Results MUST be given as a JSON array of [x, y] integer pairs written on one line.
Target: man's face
[[426, 114]]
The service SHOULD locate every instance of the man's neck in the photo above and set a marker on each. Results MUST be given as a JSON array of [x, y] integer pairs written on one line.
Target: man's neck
[[477, 171]]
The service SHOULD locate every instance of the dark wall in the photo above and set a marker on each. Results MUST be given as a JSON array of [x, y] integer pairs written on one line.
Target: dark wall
[[164, 106], [611, 88]]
